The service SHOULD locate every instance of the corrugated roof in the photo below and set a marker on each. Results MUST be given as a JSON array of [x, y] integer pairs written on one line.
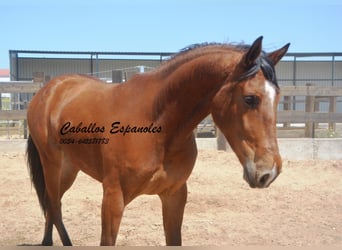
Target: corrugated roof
[[92, 53]]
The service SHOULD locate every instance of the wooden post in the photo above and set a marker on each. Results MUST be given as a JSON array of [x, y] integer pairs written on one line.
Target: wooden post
[[287, 106], [309, 108], [221, 141], [38, 77], [47, 79], [318, 101], [332, 109], [117, 76]]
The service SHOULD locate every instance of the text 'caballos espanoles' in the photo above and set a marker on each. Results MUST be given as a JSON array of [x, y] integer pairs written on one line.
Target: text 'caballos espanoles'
[[69, 129]]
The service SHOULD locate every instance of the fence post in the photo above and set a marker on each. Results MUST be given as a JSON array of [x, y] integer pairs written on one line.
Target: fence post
[[318, 100], [332, 109], [47, 79], [287, 106], [221, 140], [117, 76], [309, 108], [39, 78]]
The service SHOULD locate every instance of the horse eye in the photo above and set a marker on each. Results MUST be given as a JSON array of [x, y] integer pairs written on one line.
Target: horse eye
[[252, 101]]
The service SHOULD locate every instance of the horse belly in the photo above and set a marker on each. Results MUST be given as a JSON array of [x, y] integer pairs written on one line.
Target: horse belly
[[83, 160]]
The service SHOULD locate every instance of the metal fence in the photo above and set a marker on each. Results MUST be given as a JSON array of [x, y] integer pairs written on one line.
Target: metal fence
[[295, 70]]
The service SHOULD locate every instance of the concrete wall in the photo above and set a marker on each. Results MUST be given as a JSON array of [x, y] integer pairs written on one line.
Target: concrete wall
[[295, 148], [307, 148], [206, 143], [292, 149]]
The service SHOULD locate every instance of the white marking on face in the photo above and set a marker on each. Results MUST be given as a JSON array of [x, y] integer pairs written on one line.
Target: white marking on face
[[270, 91]]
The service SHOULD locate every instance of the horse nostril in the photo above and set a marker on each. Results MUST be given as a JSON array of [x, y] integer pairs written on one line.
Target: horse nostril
[[263, 180]]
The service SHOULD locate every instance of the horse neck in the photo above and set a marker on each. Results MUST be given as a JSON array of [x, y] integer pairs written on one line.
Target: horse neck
[[187, 92]]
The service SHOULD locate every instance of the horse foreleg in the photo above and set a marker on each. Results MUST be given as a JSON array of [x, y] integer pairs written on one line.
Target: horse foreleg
[[111, 214], [173, 210]]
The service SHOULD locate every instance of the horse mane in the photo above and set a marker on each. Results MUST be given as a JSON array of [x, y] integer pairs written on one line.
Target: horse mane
[[170, 66], [195, 50], [187, 54], [263, 62], [200, 45]]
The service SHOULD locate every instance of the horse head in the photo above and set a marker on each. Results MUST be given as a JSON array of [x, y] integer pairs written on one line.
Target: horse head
[[245, 111]]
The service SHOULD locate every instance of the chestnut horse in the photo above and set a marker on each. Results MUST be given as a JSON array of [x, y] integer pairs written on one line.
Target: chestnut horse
[[137, 138]]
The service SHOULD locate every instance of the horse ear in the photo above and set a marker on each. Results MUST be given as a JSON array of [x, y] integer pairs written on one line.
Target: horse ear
[[275, 56], [253, 53]]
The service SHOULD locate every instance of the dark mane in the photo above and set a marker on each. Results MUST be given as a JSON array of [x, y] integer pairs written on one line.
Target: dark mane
[[262, 62], [188, 53], [177, 60], [193, 51], [199, 45]]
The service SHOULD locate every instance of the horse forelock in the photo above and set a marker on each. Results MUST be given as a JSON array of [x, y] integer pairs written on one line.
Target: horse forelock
[[268, 69], [264, 64]]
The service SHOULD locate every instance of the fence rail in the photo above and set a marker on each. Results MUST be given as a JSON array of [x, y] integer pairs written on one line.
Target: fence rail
[[310, 116], [17, 87], [13, 114], [304, 117], [311, 96], [20, 87], [311, 90]]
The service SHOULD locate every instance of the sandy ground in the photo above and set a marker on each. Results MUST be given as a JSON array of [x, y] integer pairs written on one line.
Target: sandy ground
[[303, 207]]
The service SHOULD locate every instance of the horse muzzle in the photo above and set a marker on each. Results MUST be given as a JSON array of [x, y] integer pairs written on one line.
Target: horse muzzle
[[259, 178]]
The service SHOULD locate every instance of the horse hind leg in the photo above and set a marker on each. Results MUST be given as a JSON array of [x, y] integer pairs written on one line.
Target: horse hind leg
[[53, 216], [48, 184], [67, 177], [58, 181]]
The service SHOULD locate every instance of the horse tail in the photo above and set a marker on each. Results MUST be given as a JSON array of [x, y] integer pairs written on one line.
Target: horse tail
[[36, 172]]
